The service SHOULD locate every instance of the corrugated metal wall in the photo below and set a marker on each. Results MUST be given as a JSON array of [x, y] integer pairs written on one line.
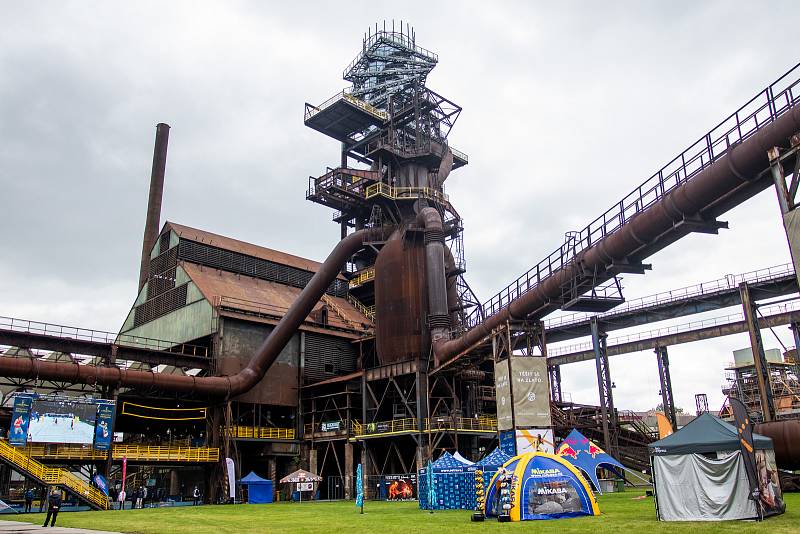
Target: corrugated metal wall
[[327, 357]]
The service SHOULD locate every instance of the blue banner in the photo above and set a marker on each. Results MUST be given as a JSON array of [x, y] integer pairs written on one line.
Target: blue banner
[[508, 442], [359, 487], [101, 483], [20, 419], [103, 427]]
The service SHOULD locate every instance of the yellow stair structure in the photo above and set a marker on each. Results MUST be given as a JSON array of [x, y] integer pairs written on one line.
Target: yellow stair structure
[[54, 476]]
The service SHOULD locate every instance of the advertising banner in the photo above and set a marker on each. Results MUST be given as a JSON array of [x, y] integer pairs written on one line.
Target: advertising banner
[[102, 429], [531, 392], [508, 443], [101, 483], [359, 487], [535, 440], [503, 395], [231, 478], [330, 426], [400, 487], [20, 421]]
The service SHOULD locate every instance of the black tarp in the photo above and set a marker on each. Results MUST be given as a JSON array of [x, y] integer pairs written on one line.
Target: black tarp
[[706, 433]]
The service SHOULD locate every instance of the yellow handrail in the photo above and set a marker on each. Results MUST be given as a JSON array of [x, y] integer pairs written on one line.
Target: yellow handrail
[[483, 423], [171, 452], [368, 311], [363, 276], [395, 193], [250, 432]]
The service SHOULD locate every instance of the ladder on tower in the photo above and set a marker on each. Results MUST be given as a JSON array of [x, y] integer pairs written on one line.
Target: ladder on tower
[[53, 476]]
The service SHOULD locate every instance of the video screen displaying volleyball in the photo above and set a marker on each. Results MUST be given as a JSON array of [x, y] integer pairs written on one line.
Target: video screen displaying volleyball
[[62, 421]]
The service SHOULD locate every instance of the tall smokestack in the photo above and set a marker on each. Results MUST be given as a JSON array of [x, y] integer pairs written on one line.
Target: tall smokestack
[[153, 222]]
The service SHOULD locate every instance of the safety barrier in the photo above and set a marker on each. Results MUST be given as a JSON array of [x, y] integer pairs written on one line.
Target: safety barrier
[[368, 311], [150, 453], [311, 111], [362, 277], [408, 425], [250, 432]]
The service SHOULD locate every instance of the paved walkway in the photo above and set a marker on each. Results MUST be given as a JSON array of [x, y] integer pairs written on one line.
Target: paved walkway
[[25, 528]]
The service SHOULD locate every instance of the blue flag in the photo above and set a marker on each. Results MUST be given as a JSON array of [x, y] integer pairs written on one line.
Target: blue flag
[[431, 491], [359, 487], [100, 482]]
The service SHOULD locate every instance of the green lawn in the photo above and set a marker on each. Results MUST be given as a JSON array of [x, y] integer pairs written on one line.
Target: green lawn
[[620, 513]]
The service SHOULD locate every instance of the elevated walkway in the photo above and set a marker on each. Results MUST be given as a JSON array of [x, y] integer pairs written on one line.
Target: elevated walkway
[[45, 475], [409, 425], [134, 453], [262, 433]]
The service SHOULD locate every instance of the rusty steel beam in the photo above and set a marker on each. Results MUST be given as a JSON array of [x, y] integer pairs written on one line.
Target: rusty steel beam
[[217, 386], [733, 178], [677, 339], [85, 347]]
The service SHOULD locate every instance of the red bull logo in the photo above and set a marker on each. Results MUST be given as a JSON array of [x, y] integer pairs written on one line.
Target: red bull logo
[[566, 450], [594, 450]]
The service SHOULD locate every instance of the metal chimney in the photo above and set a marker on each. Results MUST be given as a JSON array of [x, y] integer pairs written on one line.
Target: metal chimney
[[152, 224]]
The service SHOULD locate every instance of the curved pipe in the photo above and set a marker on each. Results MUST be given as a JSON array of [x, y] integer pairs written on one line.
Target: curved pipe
[[711, 192], [228, 386]]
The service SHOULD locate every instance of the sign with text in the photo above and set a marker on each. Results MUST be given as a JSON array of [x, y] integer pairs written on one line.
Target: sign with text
[[527, 387], [20, 420]]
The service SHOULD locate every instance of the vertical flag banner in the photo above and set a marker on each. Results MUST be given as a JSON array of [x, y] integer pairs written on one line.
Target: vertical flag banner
[[101, 483], [20, 419], [503, 395], [359, 487], [124, 471], [744, 428], [231, 478], [664, 426], [103, 425]]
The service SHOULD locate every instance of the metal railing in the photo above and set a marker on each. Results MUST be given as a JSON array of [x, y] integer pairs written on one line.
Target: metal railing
[[165, 453], [362, 277], [368, 311], [483, 423], [764, 311], [727, 283], [405, 192], [99, 336], [391, 37], [311, 111], [170, 452], [255, 432], [760, 111]]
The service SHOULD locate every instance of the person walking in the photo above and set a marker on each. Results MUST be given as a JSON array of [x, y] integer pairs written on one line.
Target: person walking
[[196, 495], [28, 500], [121, 499], [53, 505]]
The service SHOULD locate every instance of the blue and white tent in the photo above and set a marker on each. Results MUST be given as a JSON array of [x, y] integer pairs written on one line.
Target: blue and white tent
[[453, 484]]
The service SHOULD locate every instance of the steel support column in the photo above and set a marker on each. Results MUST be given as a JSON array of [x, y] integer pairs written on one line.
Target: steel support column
[[604, 386], [787, 194], [667, 400], [759, 358]]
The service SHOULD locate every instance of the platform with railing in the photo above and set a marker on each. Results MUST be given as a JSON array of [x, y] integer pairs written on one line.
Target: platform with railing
[[484, 424]]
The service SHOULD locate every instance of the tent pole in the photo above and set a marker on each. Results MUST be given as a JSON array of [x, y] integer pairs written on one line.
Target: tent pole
[[655, 492]]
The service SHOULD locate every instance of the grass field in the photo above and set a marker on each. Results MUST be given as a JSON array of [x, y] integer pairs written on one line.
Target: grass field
[[620, 513]]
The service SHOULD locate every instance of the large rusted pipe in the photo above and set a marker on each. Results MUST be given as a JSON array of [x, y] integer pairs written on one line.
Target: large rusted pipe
[[151, 225], [709, 193], [786, 440], [215, 385], [438, 314]]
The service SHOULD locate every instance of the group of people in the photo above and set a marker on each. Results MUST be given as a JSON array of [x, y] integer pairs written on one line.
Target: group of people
[[140, 495]]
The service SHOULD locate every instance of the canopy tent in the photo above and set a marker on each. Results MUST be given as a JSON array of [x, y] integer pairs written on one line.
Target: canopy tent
[[493, 461], [584, 454], [544, 486], [301, 475], [259, 490], [457, 456], [305, 481], [453, 484], [699, 474]]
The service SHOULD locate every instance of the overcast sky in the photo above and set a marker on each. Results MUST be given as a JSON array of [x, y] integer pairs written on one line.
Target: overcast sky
[[567, 107]]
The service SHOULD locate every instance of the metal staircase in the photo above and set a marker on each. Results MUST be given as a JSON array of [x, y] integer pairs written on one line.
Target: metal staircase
[[54, 476]]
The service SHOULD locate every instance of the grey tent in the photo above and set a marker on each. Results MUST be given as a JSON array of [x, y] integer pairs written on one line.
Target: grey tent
[[699, 474]]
